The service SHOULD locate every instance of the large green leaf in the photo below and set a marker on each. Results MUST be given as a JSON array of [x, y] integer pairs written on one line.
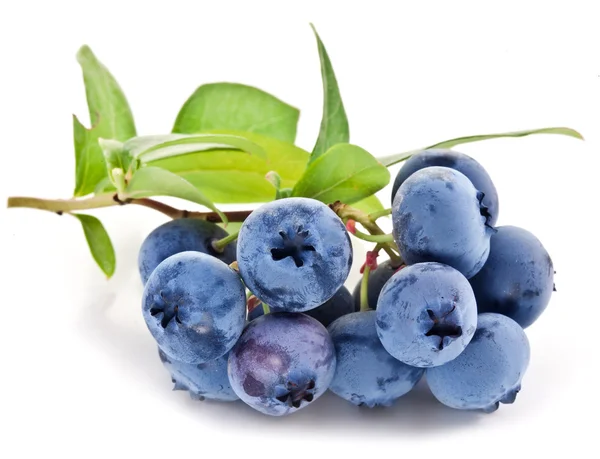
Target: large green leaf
[[110, 113], [394, 159], [154, 181], [334, 123], [232, 176], [154, 147], [344, 173], [237, 107], [99, 242]]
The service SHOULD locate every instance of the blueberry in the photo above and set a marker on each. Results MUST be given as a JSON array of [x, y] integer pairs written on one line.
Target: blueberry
[[426, 314], [517, 279], [195, 307], [178, 236], [294, 254], [203, 381], [366, 374], [490, 369], [282, 362], [377, 280], [338, 305], [438, 216], [459, 162]]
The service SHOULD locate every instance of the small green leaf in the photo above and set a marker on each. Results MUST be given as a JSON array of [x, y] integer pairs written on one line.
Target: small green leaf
[[154, 181], [155, 147], [344, 173], [369, 205], [105, 97], [104, 186], [394, 159], [117, 162], [334, 123], [237, 107], [231, 176], [90, 167], [99, 242], [274, 179], [111, 119]]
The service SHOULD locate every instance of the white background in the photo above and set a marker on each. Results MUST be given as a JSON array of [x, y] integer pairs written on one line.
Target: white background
[[80, 374]]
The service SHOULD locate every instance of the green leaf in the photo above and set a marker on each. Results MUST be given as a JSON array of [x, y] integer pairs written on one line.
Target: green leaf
[[394, 159], [344, 173], [117, 161], [334, 123], [105, 97], [237, 107], [231, 176], [110, 116], [155, 147], [154, 181], [90, 167], [274, 179], [99, 242], [369, 205], [104, 186]]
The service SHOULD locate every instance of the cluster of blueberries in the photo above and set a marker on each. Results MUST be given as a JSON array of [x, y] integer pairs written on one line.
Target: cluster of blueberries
[[277, 328]]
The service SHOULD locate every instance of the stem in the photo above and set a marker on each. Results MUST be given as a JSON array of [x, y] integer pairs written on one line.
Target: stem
[[364, 292], [379, 238], [382, 213], [220, 245], [61, 206], [346, 212]]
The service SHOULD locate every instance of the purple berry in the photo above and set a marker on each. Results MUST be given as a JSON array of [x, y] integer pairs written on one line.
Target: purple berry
[[282, 363]]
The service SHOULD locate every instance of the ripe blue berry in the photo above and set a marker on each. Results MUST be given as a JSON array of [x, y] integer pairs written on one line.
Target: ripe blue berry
[[282, 362], [438, 216], [181, 235], [426, 314], [517, 279], [338, 305], [377, 280], [366, 374], [294, 254], [490, 369], [203, 381], [195, 306], [459, 162]]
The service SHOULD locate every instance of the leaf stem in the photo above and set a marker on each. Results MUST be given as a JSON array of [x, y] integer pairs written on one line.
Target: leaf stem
[[382, 213], [364, 293], [220, 244], [379, 238], [345, 212]]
